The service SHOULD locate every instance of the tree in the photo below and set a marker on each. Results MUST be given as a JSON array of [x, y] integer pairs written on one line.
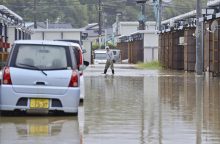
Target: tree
[[81, 12]]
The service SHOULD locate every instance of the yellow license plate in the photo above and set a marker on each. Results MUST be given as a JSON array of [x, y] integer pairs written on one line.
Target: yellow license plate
[[39, 103], [38, 130]]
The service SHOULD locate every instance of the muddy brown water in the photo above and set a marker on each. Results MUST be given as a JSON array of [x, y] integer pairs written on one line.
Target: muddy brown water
[[133, 107], [152, 107]]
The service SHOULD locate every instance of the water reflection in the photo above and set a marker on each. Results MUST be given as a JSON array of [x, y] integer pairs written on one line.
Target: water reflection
[[39, 130], [112, 110], [161, 109]]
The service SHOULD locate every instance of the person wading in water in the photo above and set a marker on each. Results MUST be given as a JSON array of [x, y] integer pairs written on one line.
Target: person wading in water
[[109, 60]]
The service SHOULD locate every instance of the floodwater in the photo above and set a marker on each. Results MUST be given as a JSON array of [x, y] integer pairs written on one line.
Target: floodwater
[[151, 107], [39, 130], [132, 107]]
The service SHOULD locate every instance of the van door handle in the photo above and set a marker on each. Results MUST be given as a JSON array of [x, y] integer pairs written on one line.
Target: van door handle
[[40, 83]]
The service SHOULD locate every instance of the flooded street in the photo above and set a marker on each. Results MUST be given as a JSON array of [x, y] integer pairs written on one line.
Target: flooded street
[[133, 107], [39, 130], [150, 106]]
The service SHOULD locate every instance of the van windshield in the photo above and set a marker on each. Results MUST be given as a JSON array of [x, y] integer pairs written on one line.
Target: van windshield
[[43, 57], [100, 56]]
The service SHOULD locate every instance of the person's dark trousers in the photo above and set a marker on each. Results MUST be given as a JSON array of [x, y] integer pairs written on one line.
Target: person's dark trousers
[[113, 72], [105, 71]]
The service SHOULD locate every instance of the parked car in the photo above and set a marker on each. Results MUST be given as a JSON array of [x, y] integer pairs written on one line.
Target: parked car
[[100, 56], [41, 76], [80, 61]]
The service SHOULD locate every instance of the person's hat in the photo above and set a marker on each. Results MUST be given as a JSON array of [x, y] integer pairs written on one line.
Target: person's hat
[[107, 47]]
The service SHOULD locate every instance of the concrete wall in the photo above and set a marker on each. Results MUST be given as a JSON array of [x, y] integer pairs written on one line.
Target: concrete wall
[[127, 28], [37, 36], [52, 34], [11, 34], [150, 46], [87, 44], [150, 39], [150, 54]]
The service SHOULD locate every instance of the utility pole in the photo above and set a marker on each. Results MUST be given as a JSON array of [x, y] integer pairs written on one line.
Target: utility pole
[[35, 14], [142, 17], [143, 11], [199, 60], [159, 9], [117, 23], [100, 23]]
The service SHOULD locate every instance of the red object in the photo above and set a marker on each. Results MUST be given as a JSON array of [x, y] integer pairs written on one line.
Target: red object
[[1, 44], [6, 76], [80, 61], [80, 57], [6, 45], [74, 80]]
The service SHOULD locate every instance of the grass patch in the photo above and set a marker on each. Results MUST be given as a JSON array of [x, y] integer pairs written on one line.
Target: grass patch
[[149, 65]]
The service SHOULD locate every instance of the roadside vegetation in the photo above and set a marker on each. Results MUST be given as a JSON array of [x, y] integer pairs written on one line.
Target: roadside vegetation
[[149, 65], [96, 46]]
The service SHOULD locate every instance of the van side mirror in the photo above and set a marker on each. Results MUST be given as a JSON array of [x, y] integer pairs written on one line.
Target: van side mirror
[[84, 66], [86, 63]]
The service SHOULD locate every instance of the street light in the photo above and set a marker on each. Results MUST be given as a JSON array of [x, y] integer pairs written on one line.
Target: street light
[[142, 17]]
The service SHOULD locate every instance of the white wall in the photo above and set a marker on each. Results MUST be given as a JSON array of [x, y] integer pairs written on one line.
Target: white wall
[[52, 34], [150, 46], [11, 35], [72, 35], [127, 29], [150, 54], [87, 45], [150, 39], [37, 36]]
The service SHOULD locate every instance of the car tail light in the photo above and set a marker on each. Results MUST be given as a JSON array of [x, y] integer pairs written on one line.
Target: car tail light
[[80, 58], [6, 76], [74, 82]]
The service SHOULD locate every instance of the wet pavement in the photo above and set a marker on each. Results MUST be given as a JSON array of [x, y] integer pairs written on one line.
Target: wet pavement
[[132, 107]]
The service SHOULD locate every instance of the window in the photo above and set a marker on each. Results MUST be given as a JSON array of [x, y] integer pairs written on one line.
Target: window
[[44, 57], [100, 56]]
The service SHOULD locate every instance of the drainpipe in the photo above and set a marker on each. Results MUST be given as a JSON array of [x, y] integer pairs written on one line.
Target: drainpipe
[[199, 68], [1, 41]]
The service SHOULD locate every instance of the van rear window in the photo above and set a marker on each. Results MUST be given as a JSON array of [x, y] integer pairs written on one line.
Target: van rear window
[[44, 57]]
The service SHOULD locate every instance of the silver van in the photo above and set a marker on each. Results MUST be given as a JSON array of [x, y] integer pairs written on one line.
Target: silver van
[[100, 56], [40, 76]]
